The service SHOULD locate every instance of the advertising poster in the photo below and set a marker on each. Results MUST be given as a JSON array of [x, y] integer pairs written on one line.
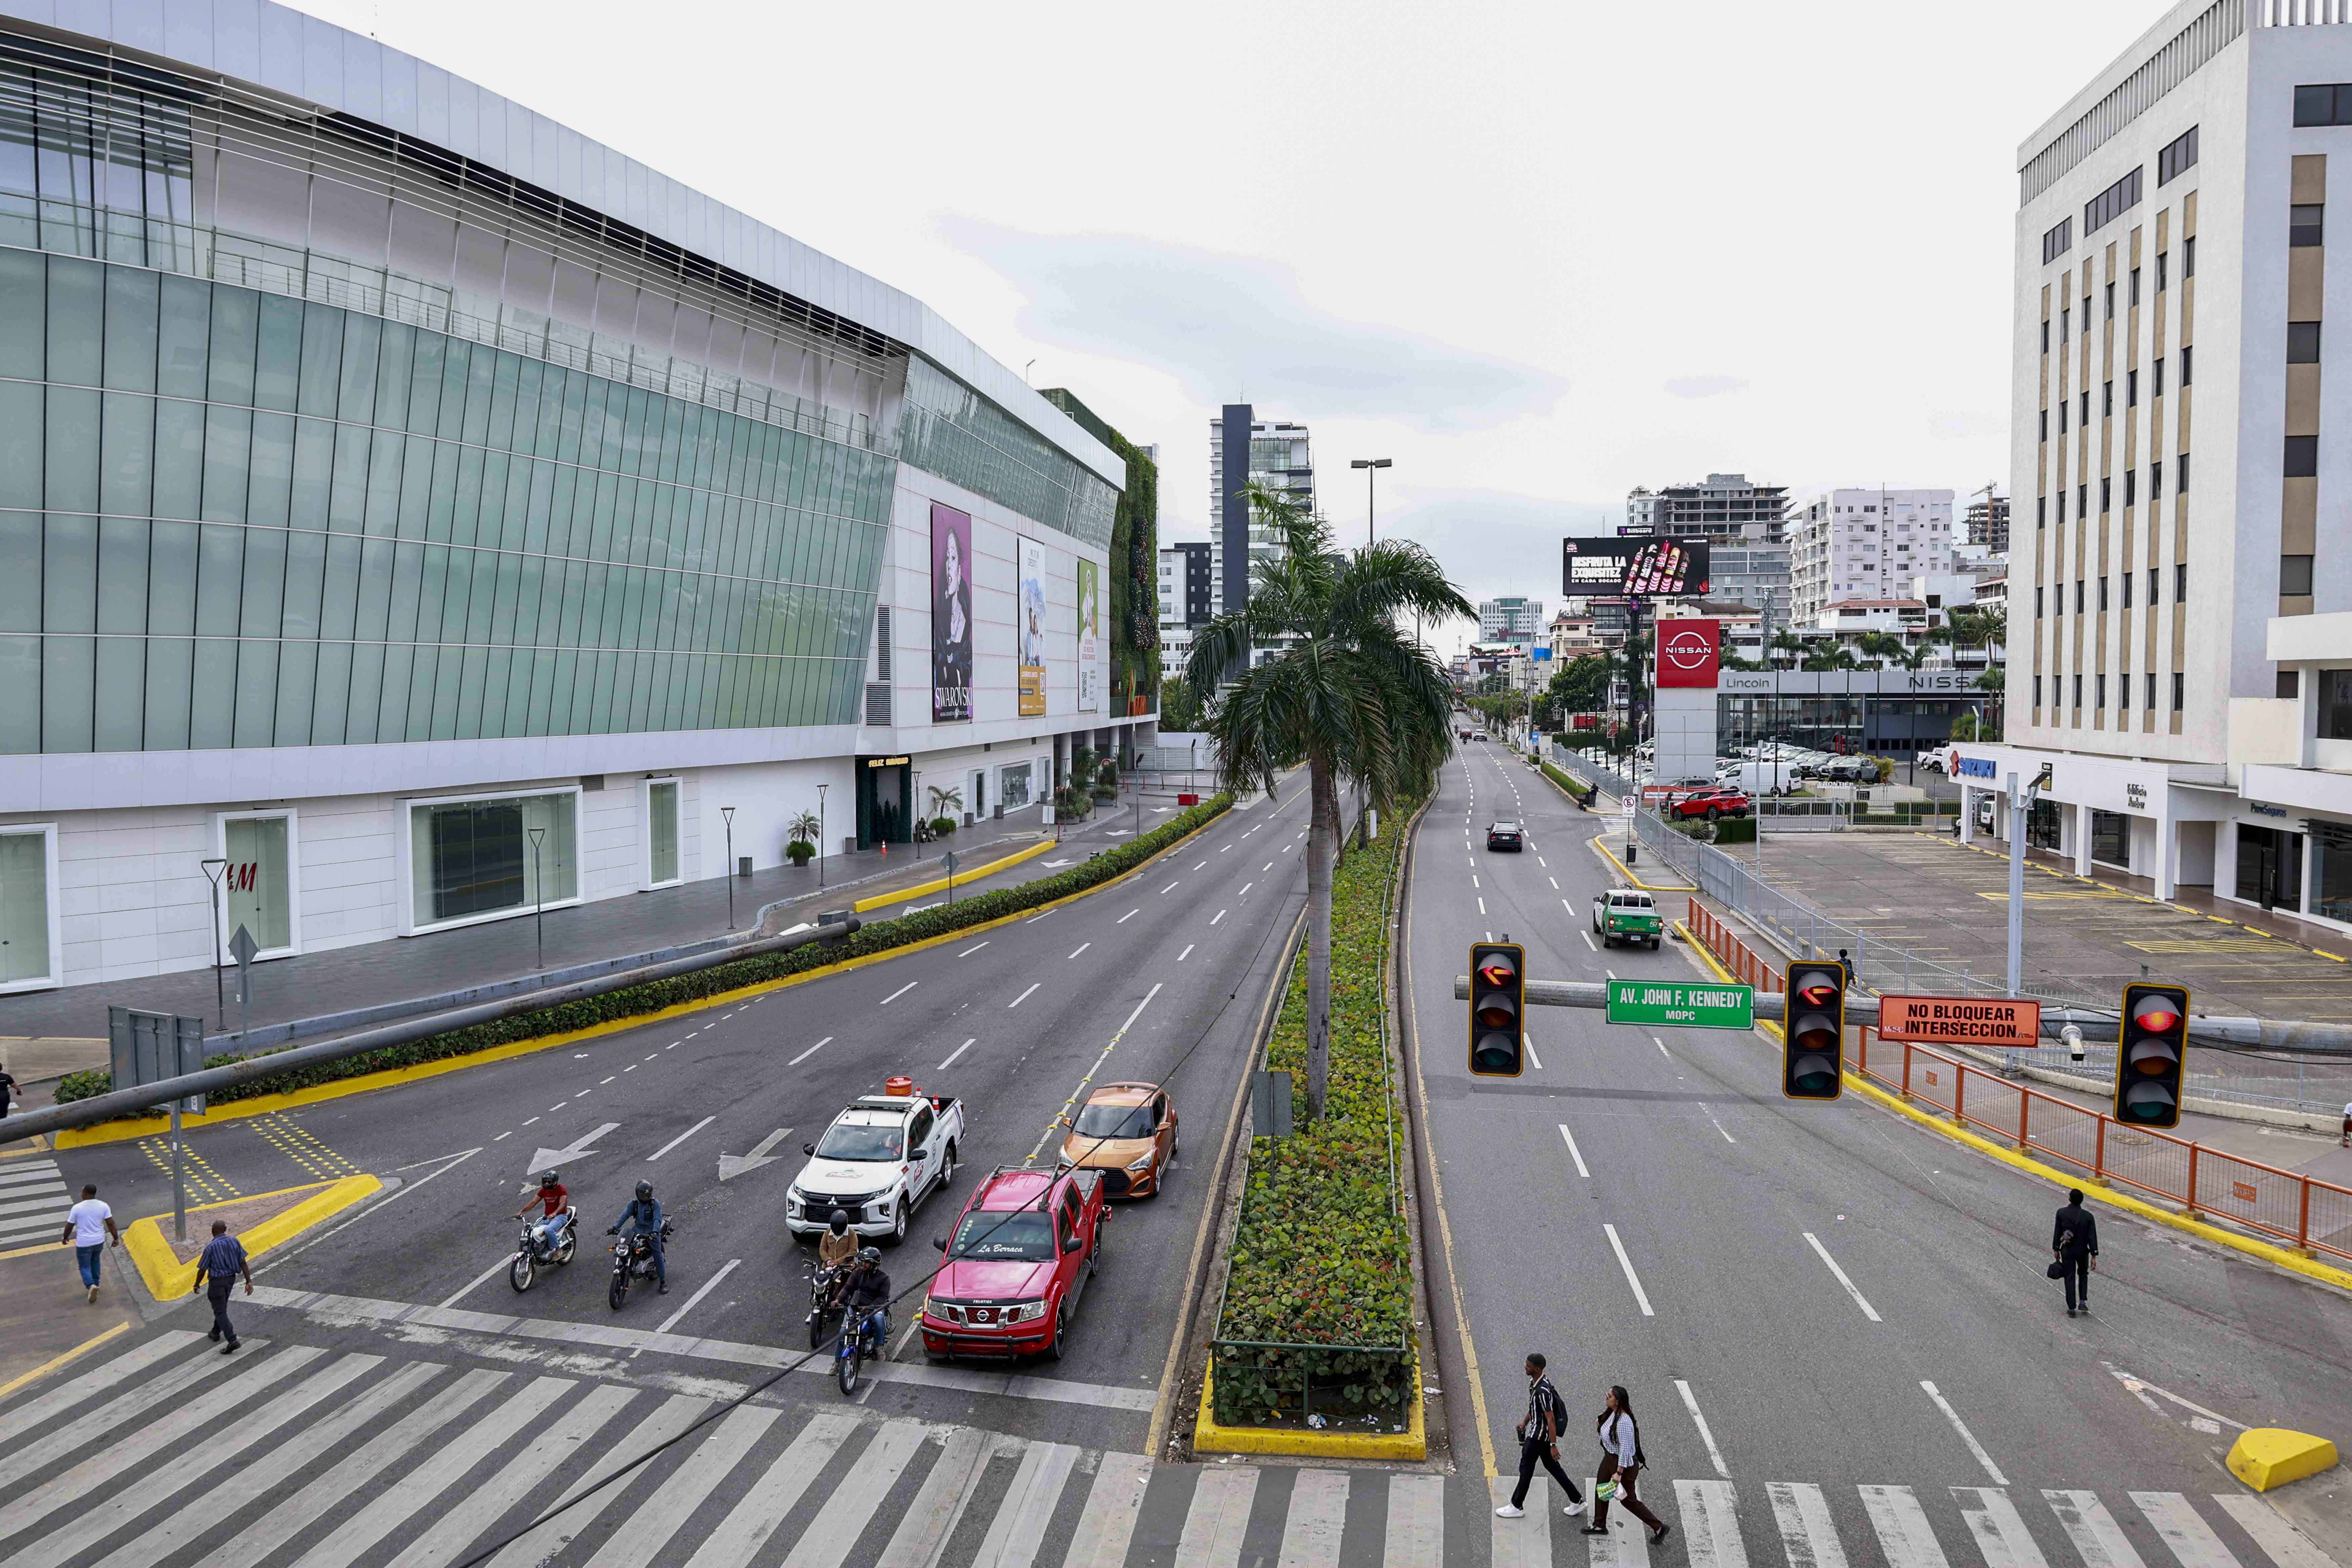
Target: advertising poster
[[1032, 638], [1089, 638], [1612, 567], [951, 615]]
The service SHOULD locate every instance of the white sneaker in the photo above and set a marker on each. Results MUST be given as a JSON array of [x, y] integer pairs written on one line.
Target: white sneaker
[[1510, 1510], [1572, 1510]]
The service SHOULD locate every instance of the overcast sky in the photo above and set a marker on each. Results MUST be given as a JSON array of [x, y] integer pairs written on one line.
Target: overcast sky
[[1536, 254]]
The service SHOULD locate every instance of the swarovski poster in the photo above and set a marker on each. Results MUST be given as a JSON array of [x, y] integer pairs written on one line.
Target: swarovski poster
[[1090, 637], [1032, 614], [951, 615]]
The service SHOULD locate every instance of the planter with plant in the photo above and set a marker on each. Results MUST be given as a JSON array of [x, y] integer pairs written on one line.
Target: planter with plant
[[802, 848]]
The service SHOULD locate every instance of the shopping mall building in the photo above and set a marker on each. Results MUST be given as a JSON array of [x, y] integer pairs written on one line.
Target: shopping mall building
[[434, 514]]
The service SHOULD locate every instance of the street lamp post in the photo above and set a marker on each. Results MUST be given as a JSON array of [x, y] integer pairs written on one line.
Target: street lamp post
[[539, 898], [1371, 467], [212, 869], [727, 816], [820, 836], [915, 810]]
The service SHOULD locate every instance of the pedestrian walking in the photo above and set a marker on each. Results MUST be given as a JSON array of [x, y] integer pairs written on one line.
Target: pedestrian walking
[[217, 1267], [8, 1093], [1621, 1460], [1540, 1431], [90, 1225], [2074, 1240], [2343, 1143]]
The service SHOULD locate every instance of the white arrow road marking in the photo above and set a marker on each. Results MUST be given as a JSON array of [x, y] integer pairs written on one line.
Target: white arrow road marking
[[577, 1149], [2140, 1390], [734, 1165], [680, 1139], [1050, 864]]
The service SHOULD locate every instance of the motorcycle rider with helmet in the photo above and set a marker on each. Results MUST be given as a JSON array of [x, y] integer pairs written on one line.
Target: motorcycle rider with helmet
[[551, 1199], [644, 1216], [864, 1291], [837, 1244]]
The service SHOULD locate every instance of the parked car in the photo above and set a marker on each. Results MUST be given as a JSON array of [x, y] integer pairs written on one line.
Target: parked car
[[1504, 836], [1934, 760], [1626, 914], [879, 1160], [1710, 803], [1017, 1263], [1128, 1131]]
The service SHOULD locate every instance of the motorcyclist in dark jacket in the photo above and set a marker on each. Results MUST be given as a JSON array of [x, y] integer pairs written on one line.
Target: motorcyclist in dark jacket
[[643, 1216], [866, 1291]]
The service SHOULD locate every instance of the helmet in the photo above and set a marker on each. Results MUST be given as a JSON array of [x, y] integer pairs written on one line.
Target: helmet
[[869, 1254], [548, 1179], [840, 1221], [645, 1189]]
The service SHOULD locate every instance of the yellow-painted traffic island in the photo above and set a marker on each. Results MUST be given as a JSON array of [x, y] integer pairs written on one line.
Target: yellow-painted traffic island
[[1209, 1436], [261, 1222], [2269, 1457]]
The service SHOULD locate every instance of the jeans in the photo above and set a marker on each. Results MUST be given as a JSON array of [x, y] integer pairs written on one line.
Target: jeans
[[1535, 1451], [2078, 1278], [550, 1231], [221, 1328], [88, 1257]]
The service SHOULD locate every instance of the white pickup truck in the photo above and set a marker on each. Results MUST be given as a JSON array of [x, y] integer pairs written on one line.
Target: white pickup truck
[[878, 1161]]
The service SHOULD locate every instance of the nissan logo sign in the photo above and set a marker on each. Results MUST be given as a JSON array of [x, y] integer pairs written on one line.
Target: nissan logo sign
[[1689, 648]]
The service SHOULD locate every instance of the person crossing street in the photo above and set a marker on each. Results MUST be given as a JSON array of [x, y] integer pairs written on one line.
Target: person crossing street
[[217, 1267], [1538, 1432], [2074, 1240], [1621, 1461]]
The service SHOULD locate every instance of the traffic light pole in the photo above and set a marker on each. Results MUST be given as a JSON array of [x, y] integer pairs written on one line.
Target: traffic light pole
[[2016, 887]]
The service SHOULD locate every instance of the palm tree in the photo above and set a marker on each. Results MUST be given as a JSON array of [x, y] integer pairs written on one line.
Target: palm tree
[[1880, 645], [1785, 641], [1347, 695], [944, 800]]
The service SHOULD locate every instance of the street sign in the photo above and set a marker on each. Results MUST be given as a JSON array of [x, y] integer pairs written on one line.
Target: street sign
[[949, 861], [1959, 1020], [1668, 1005], [242, 947]]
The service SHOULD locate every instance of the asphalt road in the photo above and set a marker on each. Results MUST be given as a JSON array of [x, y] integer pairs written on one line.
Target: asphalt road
[[1646, 1209]]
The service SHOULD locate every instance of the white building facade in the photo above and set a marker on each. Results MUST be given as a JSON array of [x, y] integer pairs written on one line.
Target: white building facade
[[1864, 545], [1511, 619]]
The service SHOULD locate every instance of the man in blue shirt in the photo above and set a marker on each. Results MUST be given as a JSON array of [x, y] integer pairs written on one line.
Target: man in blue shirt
[[217, 1267], [644, 1215]]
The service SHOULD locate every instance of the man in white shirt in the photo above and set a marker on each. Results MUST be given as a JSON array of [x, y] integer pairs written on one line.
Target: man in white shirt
[[90, 1225]]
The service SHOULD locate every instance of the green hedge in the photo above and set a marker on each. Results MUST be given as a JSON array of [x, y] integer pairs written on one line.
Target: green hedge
[[877, 936], [1735, 830], [1320, 1254], [1581, 793]]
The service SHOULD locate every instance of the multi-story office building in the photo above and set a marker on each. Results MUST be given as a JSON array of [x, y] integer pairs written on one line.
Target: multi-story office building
[[1722, 506], [1866, 544], [1243, 449], [1187, 593], [435, 514], [1987, 524], [1756, 576], [1512, 620], [2180, 634]]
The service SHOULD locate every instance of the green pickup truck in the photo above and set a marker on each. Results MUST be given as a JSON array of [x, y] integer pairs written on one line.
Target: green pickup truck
[[1626, 914]]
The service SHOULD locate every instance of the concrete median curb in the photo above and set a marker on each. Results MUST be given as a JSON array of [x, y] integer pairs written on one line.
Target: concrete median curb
[[1208, 1437], [1632, 880], [940, 884], [168, 1279]]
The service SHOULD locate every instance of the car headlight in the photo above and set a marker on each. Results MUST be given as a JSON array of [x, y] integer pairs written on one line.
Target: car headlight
[[1025, 1312], [1141, 1162]]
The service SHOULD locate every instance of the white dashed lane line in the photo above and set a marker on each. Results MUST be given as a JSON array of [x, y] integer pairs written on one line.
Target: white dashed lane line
[[1080, 948]]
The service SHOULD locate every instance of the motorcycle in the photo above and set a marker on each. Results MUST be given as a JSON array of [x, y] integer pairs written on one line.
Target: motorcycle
[[633, 1258], [822, 1310], [534, 1251], [857, 1347]]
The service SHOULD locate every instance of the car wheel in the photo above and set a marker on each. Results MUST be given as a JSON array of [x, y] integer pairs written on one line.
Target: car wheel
[[1061, 1328], [898, 1229], [947, 1167], [1712, 814]]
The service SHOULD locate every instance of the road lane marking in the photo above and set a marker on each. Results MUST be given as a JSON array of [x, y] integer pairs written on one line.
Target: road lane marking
[[1187, 952], [1587, 936], [1718, 1126], [1262, 870], [1626, 1262], [2140, 1390], [2192, 1540], [1661, 1044], [1903, 1533], [680, 1139], [1222, 848], [495, 1270], [1474, 879], [810, 1052], [2092, 1529], [1246, 888], [1025, 995], [975, 947], [955, 1053], [1127, 917], [1690, 1403], [608, 1081], [1851, 1288], [507, 1133], [1967, 1436], [1202, 863], [2004, 1540], [1532, 1056], [708, 1287], [1062, 1116], [1482, 905], [527, 1123], [1218, 916], [1170, 887], [2288, 1546], [1807, 1532], [898, 992], [1080, 949]]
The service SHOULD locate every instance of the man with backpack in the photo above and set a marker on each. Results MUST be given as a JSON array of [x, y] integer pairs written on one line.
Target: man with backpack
[[1540, 1441]]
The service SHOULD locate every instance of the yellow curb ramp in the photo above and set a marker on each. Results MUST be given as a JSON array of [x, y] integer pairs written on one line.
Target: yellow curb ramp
[[1632, 880], [2279, 1256], [168, 1278], [1208, 1437], [939, 886], [2267, 1456], [53, 1363], [126, 1130]]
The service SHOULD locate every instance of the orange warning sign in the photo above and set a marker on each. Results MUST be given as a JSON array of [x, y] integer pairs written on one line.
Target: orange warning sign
[[1959, 1020]]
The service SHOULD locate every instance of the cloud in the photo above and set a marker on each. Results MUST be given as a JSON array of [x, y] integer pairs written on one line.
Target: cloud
[[1494, 543], [1962, 425], [1219, 322], [1706, 385]]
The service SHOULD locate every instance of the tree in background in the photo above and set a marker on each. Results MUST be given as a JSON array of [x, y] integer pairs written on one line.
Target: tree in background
[[1348, 696], [1785, 642], [1180, 711]]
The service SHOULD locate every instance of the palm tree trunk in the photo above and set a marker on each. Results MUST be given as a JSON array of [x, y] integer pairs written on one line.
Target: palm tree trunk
[[1322, 844]]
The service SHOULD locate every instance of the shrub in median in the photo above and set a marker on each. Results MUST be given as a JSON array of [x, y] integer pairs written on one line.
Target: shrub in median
[[876, 936]]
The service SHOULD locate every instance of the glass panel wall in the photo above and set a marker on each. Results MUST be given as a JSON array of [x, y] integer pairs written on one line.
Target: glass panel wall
[[1013, 785], [24, 907], [661, 826], [475, 857], [258, 884], [2270, 867], [2331, 871], [2111, 838], [947, 428]]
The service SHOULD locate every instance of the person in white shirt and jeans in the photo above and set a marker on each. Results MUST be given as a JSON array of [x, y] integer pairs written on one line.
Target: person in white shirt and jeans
[[1621, 1458], [90, 1225]]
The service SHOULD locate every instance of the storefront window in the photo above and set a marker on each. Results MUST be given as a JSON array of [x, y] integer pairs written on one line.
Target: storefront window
[[2331, 871], [2111, 838], [25, 909], [257, 885], [2270, 868], [1012, 786], [661, 829], [475, 857], [2041, 824]]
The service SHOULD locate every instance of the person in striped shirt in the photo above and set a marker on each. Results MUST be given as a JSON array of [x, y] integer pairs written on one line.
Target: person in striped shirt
[[1540, 1441]]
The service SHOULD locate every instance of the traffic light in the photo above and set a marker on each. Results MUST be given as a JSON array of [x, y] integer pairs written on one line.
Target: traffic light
[[1813, 1031], [2152, 1055], [1498, 991]]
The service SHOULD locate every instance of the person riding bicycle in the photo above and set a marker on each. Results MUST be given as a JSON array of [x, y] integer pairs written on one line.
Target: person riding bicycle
[[644, 1216], [837, 1243], [864, 1294], [553, 1199]]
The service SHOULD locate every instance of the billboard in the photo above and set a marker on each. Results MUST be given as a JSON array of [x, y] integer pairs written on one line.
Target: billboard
[[1031, 613], [1089, 638], [1689, 653], [1607, 568], [951, 615]]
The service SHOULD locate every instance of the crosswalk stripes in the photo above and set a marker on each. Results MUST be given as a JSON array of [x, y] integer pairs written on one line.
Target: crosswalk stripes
[[33, 1203], [169, 1456]]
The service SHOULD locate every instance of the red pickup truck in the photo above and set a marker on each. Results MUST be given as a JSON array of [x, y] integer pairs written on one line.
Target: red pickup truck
[[1019, 1258]]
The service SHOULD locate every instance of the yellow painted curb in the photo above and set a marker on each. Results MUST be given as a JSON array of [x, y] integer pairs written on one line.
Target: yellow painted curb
[[1208, 1437], [2280, 1257], [2267, 1456], [919, 888], [125, 1129], [1632, 880], [168, 1278], [46, 1367]]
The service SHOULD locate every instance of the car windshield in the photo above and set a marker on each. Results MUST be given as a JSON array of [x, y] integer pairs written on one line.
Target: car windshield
[[1505, 827], [1021, 1235], [852, 1141], [1115, 1121]]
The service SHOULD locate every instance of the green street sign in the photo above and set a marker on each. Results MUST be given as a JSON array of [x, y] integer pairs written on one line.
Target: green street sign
[[1665, 1004]]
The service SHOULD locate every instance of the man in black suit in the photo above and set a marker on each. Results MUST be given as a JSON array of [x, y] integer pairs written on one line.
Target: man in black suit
[[2074, 1237]]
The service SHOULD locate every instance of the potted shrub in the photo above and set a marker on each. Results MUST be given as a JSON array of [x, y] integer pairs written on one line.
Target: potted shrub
[[945, 804], [943, 825], [1071, 804], [1106, 785], [802, 848]]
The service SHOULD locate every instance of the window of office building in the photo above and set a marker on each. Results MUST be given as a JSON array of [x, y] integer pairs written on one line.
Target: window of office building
[[661, 833], [258, 884], [2055, 242], [2111, 838], [29, 908], [2334, 695], [2331, 871], [2302, 343], [2294, 576], [2179, 155], [2327, 103], [475, 859], [2306, 226]]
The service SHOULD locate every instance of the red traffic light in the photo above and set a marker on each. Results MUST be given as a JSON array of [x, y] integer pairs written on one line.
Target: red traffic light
[[1496, 1041], [2152, 1055], [1496, 970], [2156, 1013]]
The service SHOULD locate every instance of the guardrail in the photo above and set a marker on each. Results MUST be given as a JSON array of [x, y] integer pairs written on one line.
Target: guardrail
[[2308, 1213]]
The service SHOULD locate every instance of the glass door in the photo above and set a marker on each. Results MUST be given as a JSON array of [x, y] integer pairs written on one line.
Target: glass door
[[661, 829], [25, 909], [257, 887]]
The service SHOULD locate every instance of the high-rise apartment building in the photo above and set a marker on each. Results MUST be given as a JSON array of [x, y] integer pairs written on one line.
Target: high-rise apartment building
[[1756, 575], [1722, 506], [1987, 524], [1513, 620], [1866, 544], [2179, 619], [1186, 597], [1243, 448]]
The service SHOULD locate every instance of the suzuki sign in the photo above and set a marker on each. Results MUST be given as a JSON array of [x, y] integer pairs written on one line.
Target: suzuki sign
[[1689, 652]]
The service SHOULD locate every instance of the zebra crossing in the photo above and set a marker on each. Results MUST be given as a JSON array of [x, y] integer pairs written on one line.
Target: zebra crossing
[[33, 1203], [173, 1456]]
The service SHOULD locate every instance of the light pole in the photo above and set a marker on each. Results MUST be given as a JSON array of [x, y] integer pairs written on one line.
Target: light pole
[[820, 837], [1371, 467], [539, 898], [212, 869], [917, 812], [727, 816]]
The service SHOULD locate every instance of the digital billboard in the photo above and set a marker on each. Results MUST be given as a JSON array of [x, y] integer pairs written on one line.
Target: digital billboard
[[1609, 568]]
